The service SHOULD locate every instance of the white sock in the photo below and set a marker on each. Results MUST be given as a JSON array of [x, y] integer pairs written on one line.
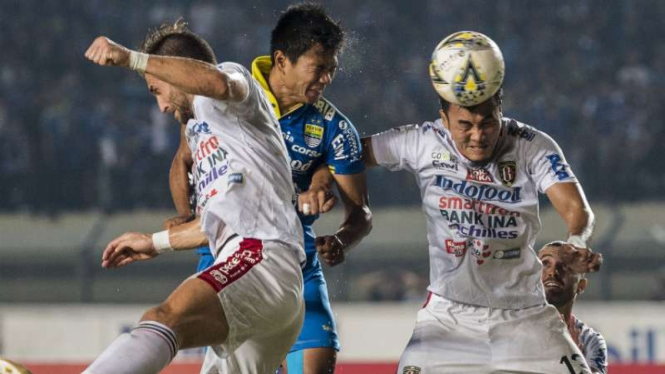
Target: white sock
[[145, 350]]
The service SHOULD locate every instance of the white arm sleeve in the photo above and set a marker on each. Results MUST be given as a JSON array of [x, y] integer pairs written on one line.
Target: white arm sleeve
[[547, 165], [396, 149]]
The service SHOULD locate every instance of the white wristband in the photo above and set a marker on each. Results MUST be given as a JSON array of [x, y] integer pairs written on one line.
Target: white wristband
[[138, 61], [160, 240], [577, 241]]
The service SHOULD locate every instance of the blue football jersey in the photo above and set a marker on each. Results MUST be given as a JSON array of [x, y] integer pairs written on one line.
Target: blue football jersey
[[314, 134]]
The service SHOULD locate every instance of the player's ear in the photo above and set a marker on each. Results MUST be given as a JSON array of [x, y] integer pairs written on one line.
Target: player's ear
[[280, 60], [444, 118], [581, 286]]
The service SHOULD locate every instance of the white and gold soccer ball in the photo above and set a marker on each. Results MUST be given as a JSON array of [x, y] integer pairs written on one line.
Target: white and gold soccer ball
[[10, 367], [467, 68]]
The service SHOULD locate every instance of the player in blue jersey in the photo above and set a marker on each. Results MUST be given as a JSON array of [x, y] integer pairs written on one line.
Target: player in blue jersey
[[302, 62], [561, 289]]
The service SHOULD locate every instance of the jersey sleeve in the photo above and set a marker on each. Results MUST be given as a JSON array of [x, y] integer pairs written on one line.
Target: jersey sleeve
[[595, 351], [239, 72], [344, 152], [396, 148], [546, 162]]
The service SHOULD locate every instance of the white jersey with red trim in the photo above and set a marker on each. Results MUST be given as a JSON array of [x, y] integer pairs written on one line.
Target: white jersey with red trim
[[242, 176], [482, 220]]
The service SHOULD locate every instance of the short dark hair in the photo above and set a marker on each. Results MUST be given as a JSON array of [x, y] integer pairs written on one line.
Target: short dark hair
[[303, 26], [177, 40], [497, 97]]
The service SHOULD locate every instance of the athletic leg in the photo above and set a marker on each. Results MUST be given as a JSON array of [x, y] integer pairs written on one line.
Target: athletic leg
[[191, 316]]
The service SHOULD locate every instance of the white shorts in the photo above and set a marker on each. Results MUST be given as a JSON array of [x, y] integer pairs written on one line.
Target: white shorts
[[451, 337], [260, 287]]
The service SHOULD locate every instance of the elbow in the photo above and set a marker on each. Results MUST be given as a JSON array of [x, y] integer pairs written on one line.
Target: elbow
[[367, 220]]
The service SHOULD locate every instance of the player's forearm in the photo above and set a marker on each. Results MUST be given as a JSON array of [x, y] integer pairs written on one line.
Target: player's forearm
[[192, 76], [580, 222], [179, 186], [356, 226], [368, 152], [187, 236], [322, 178]]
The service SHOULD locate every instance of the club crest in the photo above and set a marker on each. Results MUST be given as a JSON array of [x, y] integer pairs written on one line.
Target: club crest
[[508, 172], [313, 135]]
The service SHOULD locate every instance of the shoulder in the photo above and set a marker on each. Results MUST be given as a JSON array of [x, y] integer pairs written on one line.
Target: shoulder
[[331, 115]]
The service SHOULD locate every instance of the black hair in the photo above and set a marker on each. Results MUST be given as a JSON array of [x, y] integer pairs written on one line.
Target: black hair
[[303, 26], [497, 97], [177, 40]]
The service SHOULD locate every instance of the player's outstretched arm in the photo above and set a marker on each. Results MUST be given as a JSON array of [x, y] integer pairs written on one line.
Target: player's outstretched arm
[[368, 152], [570, 202], [135, 246], [189, 75], [357, 221]]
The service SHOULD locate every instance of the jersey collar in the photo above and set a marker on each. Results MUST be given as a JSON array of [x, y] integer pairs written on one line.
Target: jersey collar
[[260, 70]]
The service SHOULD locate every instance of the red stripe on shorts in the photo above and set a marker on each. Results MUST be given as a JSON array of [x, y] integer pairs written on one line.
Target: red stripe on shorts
[[429, 297], [248, 255]]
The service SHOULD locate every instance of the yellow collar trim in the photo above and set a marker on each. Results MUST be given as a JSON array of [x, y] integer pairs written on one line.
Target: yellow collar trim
[[260, 70]]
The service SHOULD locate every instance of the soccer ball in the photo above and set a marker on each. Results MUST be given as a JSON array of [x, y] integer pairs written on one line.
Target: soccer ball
[[467, 68], [9, 367]]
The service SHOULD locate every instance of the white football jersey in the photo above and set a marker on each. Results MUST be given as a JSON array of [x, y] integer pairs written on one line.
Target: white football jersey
[[242, 177], [482, 221]]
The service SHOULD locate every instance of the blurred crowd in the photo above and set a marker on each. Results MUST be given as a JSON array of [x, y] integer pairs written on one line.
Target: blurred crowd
[[73, 136]]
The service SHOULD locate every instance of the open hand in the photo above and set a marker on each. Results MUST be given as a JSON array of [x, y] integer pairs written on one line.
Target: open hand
[[127, 248]]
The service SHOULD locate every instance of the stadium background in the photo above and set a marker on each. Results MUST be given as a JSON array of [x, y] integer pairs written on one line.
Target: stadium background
[[84, 156]]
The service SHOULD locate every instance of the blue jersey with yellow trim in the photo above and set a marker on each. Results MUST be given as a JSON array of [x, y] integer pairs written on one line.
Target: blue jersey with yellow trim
[[314, 134]]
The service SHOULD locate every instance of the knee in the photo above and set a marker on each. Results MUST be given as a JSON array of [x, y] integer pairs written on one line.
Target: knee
[[163, 313]]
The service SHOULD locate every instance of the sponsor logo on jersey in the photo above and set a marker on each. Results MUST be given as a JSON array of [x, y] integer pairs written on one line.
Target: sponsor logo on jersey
[[313, 135], [479, 175], [442, 159], [520, 132], [236, 178], [325, 109], [559, 168], [304, 151], [507, 254], [411, 370], [288, 137], [298, 166], [480, 251], [338, 146], [479, 192], [343, 125], [200, 128], [456, 248], [508, 172]]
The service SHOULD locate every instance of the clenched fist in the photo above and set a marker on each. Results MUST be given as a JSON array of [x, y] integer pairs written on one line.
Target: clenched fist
[[104, 51]]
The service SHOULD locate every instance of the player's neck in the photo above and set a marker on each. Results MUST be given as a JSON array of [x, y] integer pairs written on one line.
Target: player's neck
[[285, 100], [566, 310]]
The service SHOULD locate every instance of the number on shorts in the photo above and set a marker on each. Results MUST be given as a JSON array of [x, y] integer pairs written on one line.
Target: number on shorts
[[569, 365]]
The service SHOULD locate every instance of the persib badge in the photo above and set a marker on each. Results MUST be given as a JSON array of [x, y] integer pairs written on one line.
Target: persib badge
[[313, 135]]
